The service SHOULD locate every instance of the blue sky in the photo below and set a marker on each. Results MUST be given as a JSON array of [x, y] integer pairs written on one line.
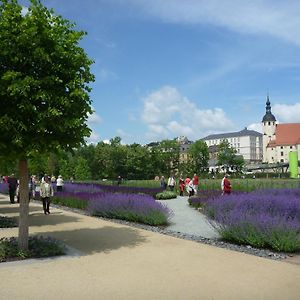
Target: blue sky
[[166, 68]]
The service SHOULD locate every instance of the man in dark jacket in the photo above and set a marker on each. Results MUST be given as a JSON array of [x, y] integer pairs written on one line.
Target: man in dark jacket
[[12, 186]]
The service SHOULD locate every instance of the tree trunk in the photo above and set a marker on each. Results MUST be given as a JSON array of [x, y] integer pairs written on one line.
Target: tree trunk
[[24, 205]]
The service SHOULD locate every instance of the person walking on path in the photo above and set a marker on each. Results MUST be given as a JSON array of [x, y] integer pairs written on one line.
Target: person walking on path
[[195, 183], [191, 189], [163, 183], [59, 183], [226, 185], [187, 181], [171, 183], [46, 191], [181, 185], [12, 187]]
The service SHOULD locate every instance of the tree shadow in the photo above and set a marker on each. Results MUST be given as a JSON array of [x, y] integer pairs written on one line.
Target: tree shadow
[[14, 208], [96, 240], [40, 219]]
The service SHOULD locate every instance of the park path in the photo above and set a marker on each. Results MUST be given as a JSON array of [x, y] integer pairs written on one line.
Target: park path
[[115, 261], [189, 220]]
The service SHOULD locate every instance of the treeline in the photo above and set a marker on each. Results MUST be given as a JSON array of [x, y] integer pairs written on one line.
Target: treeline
[[135, 161]]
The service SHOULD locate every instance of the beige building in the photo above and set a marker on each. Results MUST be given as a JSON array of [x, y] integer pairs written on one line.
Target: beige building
[[279, 139], [247, 143]]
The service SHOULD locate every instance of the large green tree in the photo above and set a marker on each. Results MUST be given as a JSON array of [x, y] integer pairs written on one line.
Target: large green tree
[[44, 89], [199, 156], [228, 158]]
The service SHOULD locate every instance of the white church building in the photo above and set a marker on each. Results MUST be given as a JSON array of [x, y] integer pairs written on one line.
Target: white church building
[[279, 139]]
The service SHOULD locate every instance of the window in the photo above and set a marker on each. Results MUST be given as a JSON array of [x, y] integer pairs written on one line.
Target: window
[[281, 153], [269, 123], [291, 147], [281, 160], [281, 147]]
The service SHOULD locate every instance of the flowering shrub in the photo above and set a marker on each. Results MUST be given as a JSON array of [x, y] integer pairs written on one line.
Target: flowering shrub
[[92, 188], [137, 208], [202, 197], [3, 188], [265, 218]]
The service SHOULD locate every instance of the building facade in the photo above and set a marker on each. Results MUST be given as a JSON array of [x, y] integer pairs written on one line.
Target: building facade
[[279, 139], [184, 144], [247, 143]]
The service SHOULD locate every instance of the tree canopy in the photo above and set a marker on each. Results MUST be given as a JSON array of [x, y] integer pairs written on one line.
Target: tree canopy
[[199, 156], [44, 88], [44, 76]]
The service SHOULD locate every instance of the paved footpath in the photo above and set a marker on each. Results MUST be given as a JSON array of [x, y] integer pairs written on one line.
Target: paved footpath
[[189, 220], [114, 261]]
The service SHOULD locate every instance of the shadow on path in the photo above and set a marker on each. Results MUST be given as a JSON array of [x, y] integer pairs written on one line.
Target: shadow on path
[[96, 240], [14, 208], [40, 219]]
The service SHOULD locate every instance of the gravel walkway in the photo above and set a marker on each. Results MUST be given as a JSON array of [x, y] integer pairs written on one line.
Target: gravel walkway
[[188, 220]]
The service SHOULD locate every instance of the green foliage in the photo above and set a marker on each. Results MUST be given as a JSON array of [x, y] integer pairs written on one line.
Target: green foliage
[[166, 195], [6, 222], [70, 202], [228, 158], [38, 247], [287, 241], [44, 80], [154, 218], [199, 156], [82, 169]]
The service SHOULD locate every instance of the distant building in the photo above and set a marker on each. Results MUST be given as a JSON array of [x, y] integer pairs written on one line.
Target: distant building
[[279, 139], [184, 144], [247, 143]]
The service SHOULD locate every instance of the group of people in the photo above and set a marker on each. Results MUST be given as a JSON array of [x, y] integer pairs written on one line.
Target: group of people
[[44, 187], [188, 184], [191, 184]]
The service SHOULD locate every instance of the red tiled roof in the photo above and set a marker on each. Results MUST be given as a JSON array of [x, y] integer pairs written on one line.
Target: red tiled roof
[[286, 134]]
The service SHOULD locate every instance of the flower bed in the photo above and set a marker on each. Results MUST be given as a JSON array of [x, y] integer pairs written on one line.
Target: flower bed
[[203, 197], [268, 219], [3, 188], [91, 188], [135, 208]]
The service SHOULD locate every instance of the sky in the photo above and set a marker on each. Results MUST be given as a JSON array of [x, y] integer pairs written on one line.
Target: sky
[[169, 68]]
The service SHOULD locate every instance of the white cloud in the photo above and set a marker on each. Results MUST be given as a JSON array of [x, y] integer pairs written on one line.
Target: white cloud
[[287, 113], [168, 114], [276, 18], [94, 138], [255, 126], [94, 118]]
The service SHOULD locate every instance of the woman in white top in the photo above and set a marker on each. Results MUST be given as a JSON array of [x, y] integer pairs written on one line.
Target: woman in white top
[[46, 191], [59, 183]]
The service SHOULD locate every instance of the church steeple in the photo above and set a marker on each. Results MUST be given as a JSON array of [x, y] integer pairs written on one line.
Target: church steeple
[[268, 117]]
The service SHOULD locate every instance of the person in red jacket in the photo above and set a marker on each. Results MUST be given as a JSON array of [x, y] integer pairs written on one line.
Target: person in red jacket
[[226, 186], [195, 183]]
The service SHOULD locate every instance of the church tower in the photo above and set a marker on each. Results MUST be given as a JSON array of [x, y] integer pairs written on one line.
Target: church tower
[[269, 128]]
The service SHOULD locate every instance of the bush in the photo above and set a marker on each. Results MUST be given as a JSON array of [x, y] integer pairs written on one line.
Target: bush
[[269, 218], [70, 202], [135, 208], [37, 247], [6, 222], [166, 195]]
